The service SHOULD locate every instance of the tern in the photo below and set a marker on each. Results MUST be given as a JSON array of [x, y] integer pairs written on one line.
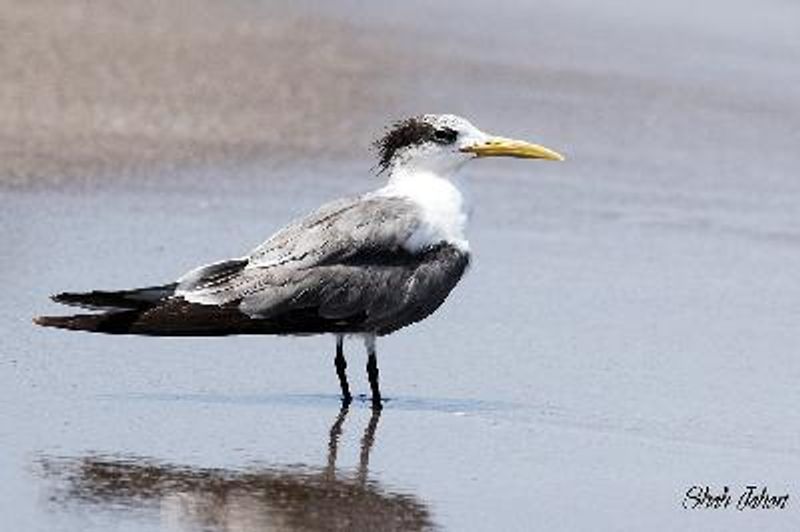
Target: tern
[[366, 266]]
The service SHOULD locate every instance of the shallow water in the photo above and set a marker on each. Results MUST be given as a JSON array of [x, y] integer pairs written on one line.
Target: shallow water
[[628, 329]]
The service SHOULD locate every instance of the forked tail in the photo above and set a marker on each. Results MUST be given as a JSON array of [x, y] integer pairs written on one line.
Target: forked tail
[[120, 309]]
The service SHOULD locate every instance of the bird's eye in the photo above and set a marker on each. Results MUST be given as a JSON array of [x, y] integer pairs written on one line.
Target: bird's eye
[[445, 135]]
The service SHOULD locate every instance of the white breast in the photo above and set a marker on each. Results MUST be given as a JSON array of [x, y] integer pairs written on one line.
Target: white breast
[[442, 205]]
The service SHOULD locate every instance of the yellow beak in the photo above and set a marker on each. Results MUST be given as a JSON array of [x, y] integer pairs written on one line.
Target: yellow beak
[[503, 147]]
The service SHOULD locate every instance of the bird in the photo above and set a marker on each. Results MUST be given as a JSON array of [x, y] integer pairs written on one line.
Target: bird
[[363, 266]]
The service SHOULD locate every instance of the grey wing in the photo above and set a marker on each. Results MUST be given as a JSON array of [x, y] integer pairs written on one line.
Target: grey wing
[[344, 267], [224, 281]]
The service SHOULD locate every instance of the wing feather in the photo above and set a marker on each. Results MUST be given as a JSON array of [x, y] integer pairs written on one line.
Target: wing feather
[[297, 267], [344, 268]]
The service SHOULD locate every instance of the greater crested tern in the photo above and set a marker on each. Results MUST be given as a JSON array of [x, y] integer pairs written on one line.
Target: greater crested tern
[[367, 265]]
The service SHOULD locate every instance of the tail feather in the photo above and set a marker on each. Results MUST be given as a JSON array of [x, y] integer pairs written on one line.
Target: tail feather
[[178, 317], [136, 299], [109, 322], [120, 309], [168, 317]]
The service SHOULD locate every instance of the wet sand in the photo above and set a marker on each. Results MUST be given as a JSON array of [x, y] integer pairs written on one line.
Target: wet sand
[[97, 91], [628, 329]]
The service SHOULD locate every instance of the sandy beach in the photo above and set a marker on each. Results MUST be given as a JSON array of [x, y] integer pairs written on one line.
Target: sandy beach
[[627, 335], [119, 89]]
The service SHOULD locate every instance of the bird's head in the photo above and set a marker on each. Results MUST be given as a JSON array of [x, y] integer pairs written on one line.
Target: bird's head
[[443, 143]]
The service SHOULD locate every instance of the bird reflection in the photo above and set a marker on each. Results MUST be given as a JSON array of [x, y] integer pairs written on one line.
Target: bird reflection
[[269, 498]]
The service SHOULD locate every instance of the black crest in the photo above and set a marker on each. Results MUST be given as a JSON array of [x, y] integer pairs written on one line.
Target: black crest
[[410, 132]]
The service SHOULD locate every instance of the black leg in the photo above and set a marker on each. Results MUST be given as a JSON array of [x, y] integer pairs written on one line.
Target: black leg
[[341, 370], [372, 373]]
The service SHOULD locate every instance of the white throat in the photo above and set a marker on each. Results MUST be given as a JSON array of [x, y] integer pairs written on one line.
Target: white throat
[[442, 204]]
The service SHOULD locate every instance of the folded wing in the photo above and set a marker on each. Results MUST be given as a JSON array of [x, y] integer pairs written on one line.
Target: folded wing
[[343, 268]]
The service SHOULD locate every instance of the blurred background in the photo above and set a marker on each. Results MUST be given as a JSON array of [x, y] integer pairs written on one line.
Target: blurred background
[[630, 319]]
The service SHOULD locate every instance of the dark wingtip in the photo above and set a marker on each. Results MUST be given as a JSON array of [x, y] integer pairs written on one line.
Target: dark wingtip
[[65, 297], [46, 321], [87, 322]]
